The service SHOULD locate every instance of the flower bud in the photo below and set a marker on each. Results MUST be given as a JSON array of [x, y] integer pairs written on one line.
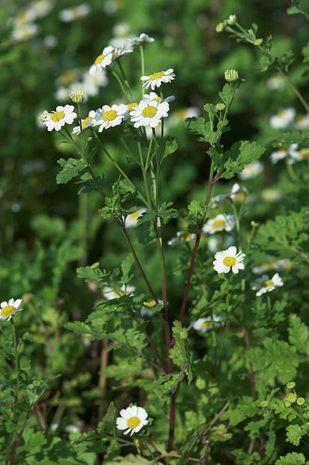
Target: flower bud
[[291, 398], [291, 385], [219, 27], [300, 401], [220, 106], [77, 96], [231, 75], [258, 42]]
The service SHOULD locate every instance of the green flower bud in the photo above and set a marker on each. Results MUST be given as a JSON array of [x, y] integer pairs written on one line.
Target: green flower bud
[[258, 42], [220, 106], [300, 401], [77, 96], [231, 75], [291, 398], [219, 27], [264, 403], [291, 385]]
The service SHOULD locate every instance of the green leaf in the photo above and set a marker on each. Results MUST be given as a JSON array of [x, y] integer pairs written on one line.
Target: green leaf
[[294, 433], [291, 459], [93, 274], [78, 327], [299, 335], [170, 147], [239, 156], [180, 351], [71, 168]]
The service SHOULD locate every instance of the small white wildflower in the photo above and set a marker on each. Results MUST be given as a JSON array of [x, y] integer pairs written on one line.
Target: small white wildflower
[[219, 223], [297, 154], [302, 122], [275, 82], [71, 14], [231, 75], [229, 260], [111, 293], [283, 118], [57, 119], [103, 60], [131, 220], [8, 309], [23, 32], [149, 113], [206, 324], [251, 170], [268, 284], [85, 123], [132, 419], [109, 116], [181, 237], [278, 155], [156, 79]]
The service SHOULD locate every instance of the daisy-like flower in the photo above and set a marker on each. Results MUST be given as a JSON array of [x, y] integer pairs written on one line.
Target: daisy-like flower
[[146, 309], [132, 419], [229, 260], [271, 195], [103, 60], [71, 14], [182, 237], [298, 154], [57, 119], [232, 194], [284, 264], [251, 170], [302, 122], [282, 119], [156, 79], [24, 31], [8, 309], [206, 324], [141, 39], [278, 155], [85, 123], [269, 284], [220, 222], [109, 117], [111, 293], [131, 220], [149, 113]]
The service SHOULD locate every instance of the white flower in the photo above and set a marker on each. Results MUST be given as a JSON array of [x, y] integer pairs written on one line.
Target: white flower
[[275, 82], [220, 222], [132, 419], [149, 113], [271, 195], [284, 264], [131, 220], [85, 123], [41, 8], [181, 237], [57, 119], [141, 39], [278, 155], [180, 115], [24, 31], [232, 194], [71, 14], [108, 117], [111, 293], [269, 284], [228, 260], [8, 309], [298, 154], [148, 305], [251, 170], [282, 119], [103, 60], [156, 79], [302, 122], [206, 324], [50, 41], [91, 83]]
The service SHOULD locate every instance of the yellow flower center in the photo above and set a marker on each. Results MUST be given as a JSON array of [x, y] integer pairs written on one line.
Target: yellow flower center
[[229, 261], [67, 77], [267, 283], [133, 422], [304, 153], [150, 303], [135, 215], [269, 265], [185, 236], [57, 116], [206, 324], [149, 112], [109, 115], [218, 223], [155, 76], [8, 311], [86, 121], [99, 59], [132, 106]]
